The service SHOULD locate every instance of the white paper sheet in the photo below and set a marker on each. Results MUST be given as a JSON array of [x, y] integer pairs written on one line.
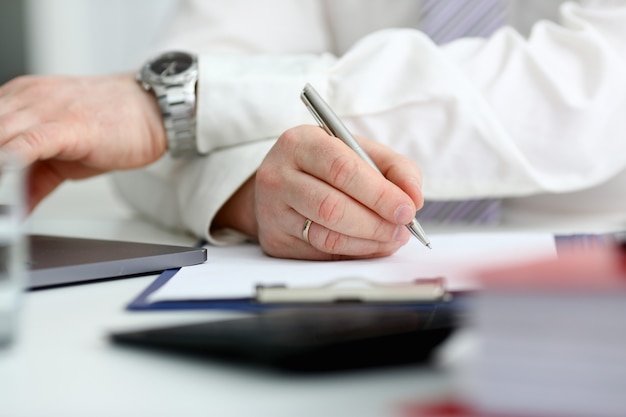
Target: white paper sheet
[[234, 272]]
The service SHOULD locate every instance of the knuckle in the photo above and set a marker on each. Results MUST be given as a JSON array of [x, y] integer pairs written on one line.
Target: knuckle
[[343, 170], [331, 211], [385, 201], [380, 196], [32, 139], [289, 137], [266, 176], [12, 122], [334, 242], [381, 199], [291, 143], [382, 232]]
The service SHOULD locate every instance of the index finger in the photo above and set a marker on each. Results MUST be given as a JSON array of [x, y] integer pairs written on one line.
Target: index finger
[[397, 168], [332, 161]]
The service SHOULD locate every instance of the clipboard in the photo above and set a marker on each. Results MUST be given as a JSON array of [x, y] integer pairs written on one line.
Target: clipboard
[[427, 293], [142, 302]]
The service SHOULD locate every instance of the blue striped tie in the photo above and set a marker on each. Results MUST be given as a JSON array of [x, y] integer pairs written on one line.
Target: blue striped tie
[[444, 21]]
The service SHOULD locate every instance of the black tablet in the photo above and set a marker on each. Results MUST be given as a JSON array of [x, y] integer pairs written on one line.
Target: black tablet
[[57, 260]]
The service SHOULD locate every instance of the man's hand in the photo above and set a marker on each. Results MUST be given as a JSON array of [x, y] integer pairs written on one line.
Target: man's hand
[[356, 212], [77, 127]]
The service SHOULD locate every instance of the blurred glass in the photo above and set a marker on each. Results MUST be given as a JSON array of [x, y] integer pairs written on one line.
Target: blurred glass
[[12, 244]]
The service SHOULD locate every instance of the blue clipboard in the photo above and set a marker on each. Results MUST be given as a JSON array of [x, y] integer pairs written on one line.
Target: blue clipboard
[[141, 302], [250, 305]]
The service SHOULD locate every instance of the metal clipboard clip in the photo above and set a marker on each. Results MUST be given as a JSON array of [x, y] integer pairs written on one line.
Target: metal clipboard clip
[[356, 290]]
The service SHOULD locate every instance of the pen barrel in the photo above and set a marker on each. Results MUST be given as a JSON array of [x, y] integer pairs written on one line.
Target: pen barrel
[[327, 119], [340, 131]]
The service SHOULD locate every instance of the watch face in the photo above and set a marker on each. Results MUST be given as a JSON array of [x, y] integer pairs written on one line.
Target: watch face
[[171, 64]]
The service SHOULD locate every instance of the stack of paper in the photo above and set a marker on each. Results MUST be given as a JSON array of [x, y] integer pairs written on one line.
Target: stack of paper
[[552, 339]]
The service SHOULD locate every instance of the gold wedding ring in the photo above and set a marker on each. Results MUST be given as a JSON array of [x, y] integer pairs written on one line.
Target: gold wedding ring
[[305, 230]]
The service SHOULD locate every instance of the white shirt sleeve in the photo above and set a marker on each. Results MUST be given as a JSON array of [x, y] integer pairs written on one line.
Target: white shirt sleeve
[[501, 117]]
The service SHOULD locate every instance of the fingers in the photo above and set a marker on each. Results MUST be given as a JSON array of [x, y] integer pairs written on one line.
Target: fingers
[[106, 122], [75, 127], [355, 211], [397, 168], [334, 163], [24, 134], [28, 124], [337, 211], [34, 143], [11, 124], [15, 115], [323, 243], [331, 242]]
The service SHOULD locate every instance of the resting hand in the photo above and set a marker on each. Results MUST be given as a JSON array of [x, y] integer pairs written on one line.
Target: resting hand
[[77, 127], [355, 212]]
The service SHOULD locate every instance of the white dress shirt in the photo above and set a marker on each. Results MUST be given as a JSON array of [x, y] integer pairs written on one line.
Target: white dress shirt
[[536, 113]]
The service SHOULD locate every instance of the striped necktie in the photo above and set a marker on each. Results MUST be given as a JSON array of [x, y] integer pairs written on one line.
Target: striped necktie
[[447, 20], [444, 21]]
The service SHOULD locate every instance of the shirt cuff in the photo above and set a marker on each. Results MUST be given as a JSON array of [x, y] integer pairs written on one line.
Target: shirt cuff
[[207, 183], [243, 98]]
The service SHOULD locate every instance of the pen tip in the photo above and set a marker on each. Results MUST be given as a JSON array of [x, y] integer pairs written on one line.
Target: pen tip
[[428, 245]]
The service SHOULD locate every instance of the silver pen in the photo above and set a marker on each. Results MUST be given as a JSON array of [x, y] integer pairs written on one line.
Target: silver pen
[[330, 122]]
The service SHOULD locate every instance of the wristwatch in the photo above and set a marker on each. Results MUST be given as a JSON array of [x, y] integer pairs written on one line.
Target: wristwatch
[[172, 77]]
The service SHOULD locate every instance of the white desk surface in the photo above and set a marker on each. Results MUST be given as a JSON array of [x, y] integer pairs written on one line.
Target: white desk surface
[[63, 365]]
